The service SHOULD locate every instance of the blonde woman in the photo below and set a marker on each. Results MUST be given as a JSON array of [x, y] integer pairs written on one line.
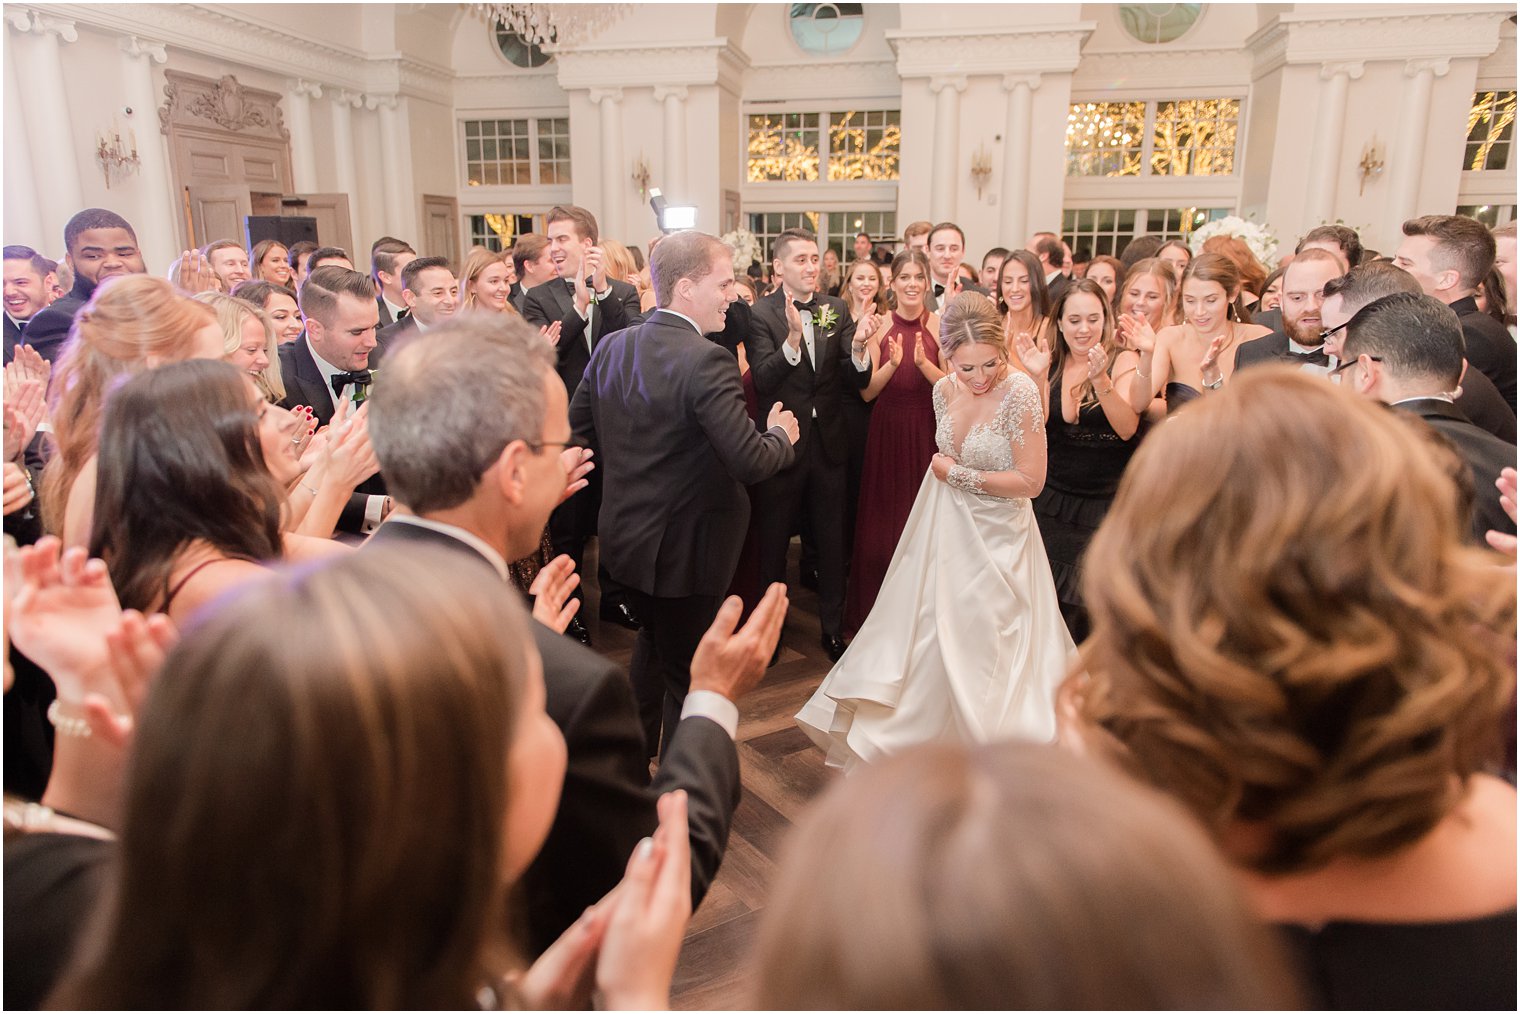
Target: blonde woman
[[251, 343], [486, 283], [970, 550]]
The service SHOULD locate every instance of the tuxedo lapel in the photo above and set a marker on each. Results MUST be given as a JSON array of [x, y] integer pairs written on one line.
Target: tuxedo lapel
[[313, 390]]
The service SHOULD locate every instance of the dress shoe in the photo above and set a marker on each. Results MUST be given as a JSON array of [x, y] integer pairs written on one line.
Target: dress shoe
[[578, 631], [833, 645], [619, 613]]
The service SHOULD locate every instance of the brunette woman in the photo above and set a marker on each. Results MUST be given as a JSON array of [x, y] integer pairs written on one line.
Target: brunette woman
[[271, 263], [280, 303]]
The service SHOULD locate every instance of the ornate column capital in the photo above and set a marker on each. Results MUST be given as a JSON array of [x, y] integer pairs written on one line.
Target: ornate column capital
[[601, 95], [138, 47], [43, 24], [347, 97], [306, 89], [1013, 81], [1350, 68], [940, 82], [663, 92], [1439, 66], [372, 101]]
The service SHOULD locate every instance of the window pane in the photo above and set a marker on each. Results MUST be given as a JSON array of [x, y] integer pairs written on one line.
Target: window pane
[[1490, 131], [783, 147], [1104, 138], [1195, 137], [864, 145]]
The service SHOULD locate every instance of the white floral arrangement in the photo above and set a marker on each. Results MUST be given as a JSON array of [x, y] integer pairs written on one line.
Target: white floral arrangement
[[1258, 237], [746, 248]]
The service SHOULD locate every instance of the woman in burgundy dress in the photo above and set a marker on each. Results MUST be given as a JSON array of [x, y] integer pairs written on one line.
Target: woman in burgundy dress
[[903, 351]]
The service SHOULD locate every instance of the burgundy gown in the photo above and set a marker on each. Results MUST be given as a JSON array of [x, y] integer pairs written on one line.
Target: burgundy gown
[[899, 447]]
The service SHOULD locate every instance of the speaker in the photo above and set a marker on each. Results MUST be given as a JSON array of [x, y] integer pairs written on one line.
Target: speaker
[[284, 229]]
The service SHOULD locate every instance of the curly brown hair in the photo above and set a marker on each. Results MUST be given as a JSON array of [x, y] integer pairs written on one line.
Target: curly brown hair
[[1295, 636]]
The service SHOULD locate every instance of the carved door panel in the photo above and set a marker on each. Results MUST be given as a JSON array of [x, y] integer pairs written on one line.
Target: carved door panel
[[440, 227], [217, 211], [334, 225]]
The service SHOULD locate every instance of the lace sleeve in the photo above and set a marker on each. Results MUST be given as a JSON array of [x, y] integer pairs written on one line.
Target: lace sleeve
[[944, 434], [968, 479], [1021, 410]]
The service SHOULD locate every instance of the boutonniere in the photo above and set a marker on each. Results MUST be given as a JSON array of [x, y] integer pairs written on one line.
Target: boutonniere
[[827, 317]]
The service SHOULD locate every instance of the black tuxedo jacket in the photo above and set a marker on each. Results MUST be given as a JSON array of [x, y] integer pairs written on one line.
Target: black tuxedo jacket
[[663, 408], [386, 317], [49, 329], [1484, 453], [736, 325], [304, 386], [551, 301], [392, 337], [1269, 348], [516, 295], [1268, 318], [805, 389], [1484, 407], [1489, 347], [608, 804], [932, 301], [12, 336]]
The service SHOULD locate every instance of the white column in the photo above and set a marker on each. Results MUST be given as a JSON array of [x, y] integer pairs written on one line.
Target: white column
[[674, 183], [1329, 126], [396, 142], [943, 184], [1408, 158], [343, 104], [23, 218], [161, 241], [1015, 197], [303, 150], [610, 214], [55, 162]]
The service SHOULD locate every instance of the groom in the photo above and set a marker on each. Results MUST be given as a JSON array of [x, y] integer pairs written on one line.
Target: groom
[[663, 408]]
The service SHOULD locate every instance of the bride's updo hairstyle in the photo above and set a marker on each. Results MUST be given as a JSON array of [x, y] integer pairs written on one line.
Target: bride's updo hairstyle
[[1295, 638], [1007, 877], [970, 317]]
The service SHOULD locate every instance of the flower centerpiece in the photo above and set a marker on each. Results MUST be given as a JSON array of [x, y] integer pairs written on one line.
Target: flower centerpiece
[[1258, 237], [746, 248]]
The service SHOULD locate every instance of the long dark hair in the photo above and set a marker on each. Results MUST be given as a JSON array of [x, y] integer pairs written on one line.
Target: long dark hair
[[1039, 294], [1086, 395], [180, 461]]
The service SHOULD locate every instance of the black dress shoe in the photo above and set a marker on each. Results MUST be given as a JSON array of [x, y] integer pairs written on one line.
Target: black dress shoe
[[619, 613], [833, 645], [578, 630]]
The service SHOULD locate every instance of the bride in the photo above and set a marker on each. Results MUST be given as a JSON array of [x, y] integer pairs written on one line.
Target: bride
[[965, 640]]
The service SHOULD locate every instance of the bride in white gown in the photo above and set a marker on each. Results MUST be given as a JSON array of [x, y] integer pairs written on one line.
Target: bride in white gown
[[966, 639]]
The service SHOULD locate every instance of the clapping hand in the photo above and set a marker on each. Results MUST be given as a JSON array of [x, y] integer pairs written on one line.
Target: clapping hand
[[62, 613], [24, 411], [27, 364], [894, 351], [551, 333], [595, 264], [582, 294], [1209, 367], [135, 653], [18, 488], [577, 464], [349, 458], [1034, 357], [1097, 362], [779, 416], [1498, 540], [731, 663], [919, 356], [793, 321], [551, 589], [1135, 332]]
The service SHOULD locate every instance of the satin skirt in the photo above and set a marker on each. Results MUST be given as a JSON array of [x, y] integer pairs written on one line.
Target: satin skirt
[[965, 640]]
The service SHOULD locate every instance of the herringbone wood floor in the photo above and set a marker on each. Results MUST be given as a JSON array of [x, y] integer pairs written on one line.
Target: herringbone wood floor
[[781, 772]]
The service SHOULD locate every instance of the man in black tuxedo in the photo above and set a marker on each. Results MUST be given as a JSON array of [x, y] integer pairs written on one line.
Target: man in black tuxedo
[[589, 306], [1478, 399], [479, 475], [1450, 255], [28, 290], [1406, 350], [946, 250], [431, 294], [1299, 343], [799, 354], [100, 245], [333, 359], [663, 409], [387, 258], [534, 263]]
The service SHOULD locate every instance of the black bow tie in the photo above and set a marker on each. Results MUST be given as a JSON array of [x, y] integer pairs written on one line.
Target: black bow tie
[[359, 378], [939, 290], [809, 307], [1315, 358]]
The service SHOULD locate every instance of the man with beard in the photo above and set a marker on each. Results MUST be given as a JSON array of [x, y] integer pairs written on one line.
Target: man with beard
[[1303, 296]]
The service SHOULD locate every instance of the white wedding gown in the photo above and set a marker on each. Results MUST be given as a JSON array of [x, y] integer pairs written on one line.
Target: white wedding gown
[[965, 641]]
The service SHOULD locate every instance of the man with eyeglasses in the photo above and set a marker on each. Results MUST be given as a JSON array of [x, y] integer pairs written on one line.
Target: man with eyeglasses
[[1303, 293], [1477, 397], [1406, 350]]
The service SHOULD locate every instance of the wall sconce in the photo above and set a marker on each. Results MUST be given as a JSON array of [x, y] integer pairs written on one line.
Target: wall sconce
[[1371, 163], [117, 157], [981, 168], [641, 175]]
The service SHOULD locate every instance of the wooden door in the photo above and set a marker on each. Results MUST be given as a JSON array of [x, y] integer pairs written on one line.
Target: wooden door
[[440, 227], [334, 226], [217, 210]]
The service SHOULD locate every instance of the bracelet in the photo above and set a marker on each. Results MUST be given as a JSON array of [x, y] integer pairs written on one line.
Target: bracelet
[[308, 489], [1216, 385], [1142, 376]]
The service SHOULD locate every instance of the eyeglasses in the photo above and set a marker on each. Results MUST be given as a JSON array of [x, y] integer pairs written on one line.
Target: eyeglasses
[[1330, 331], [1347, 365], [538, 448]]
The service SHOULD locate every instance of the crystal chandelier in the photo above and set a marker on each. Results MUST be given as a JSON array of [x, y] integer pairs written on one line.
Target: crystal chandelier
[[542, 24]]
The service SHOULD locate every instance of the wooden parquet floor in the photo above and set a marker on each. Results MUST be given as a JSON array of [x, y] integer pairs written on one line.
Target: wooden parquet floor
[[781, 772]]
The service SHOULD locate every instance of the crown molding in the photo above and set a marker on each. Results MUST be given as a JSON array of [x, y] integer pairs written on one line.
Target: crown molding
[[1161, 69], [844, 79], [600, 65], [1040, 49], [1456, 32]]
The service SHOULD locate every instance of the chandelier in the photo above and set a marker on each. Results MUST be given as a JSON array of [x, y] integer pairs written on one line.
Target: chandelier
[[542, 24]]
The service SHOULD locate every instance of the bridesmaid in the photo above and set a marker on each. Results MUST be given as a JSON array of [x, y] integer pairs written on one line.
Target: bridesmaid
[[864, 294], [1089, 437], [903, 352]]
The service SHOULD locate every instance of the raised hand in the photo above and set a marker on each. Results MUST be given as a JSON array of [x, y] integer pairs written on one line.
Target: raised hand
[[1035, 357], [732, 663], [1209, 367], [551, 589], [24, 411], [919, 356], [62, 613], [595, 264], [195, 274], [1097, 362], [793, 322], [894, 351], [1135, 332], [18, 488], [582, 294], [27, 364], [551, 333], [577, 464], [350, 458], [779, 416], [1498, 540], [135, 653]]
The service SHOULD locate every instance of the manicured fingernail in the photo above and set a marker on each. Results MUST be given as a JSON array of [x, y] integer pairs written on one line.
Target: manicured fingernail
[[645, 849]]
